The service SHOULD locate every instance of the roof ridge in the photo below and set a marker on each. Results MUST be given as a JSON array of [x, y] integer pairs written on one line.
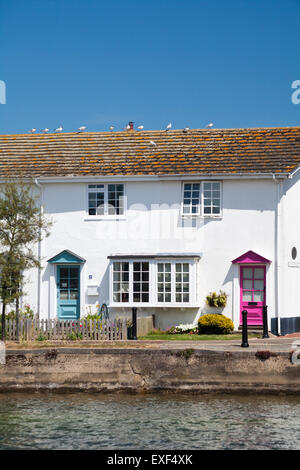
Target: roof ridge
[[135, 131]]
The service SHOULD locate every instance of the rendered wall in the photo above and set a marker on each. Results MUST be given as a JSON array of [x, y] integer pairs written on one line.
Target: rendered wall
[[153, 224]]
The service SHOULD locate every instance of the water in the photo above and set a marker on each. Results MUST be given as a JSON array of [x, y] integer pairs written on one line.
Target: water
[[95, 421]]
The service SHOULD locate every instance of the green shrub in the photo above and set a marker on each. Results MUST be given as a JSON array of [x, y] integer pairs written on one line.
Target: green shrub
[[41, 337], [91, 316], [215, 324], [74, 336]]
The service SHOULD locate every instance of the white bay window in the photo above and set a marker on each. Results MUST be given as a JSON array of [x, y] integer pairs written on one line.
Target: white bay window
[[153, 281]]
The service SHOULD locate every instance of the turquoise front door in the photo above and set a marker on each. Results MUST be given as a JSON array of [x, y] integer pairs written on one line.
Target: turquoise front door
[[68, 292]]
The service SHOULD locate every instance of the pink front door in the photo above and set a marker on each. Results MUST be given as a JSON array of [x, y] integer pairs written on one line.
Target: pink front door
[[253, 293]]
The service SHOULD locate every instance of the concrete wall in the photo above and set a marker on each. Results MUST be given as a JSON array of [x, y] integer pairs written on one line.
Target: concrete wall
[[148, 370], [153, 224]]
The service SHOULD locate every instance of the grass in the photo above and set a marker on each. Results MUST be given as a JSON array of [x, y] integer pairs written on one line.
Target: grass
[[186, 337]]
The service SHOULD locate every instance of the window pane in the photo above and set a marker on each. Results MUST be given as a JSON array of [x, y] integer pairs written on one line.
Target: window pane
[[191, 198], [211, 199], [258, 296], [247, 296], [73, 283], [247, 273], [259, 285], [141, 289], [164, 282], [64, 272], [258, 273], [115, 199], [121, 288], [182, 282], [63, 295], [247, 284]]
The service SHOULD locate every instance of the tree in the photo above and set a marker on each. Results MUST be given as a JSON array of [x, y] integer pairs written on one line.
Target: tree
[[22, 226]]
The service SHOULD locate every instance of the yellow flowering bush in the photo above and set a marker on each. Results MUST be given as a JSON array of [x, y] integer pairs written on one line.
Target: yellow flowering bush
[[215, 324]]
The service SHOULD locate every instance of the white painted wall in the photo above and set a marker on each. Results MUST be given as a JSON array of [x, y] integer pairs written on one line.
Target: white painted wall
[[153, 224], [290, 279]]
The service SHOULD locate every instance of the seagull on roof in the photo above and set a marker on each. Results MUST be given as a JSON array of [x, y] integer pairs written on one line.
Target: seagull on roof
[[152, 143], [82, 128], [169, 126], [111, 128], [59, 129], [186, 129], [140, 128], [127, 127], [32, 130], [45, 130], [210, 125]]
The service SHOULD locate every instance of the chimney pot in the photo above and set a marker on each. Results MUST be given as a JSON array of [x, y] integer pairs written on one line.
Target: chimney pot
[[131, 125]]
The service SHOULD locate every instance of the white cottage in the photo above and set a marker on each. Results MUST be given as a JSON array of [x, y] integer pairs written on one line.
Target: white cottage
[[158, 219]]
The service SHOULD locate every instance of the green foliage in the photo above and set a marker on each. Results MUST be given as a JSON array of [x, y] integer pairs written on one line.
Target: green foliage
[[217, 300], [215, 324], [27, 312], [92, 316], [41, 337], [73, 336], [21, 226]]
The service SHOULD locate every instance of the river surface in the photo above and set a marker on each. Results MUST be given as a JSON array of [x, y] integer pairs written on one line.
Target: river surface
[[96, 421]]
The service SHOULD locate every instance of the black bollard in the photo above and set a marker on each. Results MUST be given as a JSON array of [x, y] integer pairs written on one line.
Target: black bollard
[[245, 343], [265, 322], [133, 334]]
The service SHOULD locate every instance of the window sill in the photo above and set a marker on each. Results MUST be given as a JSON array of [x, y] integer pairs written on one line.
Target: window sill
[[104, 217], [201, 216], [149, 305]]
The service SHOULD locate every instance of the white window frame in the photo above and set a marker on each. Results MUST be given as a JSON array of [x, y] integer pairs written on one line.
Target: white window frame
[[153, 284], [106, 215], [200, 212], [202, 199], [196, 214]]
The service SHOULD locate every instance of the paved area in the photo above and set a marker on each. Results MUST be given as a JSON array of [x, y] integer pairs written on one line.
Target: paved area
[[274, 344]]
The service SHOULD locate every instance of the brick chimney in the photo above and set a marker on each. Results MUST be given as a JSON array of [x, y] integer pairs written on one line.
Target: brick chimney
[[130, 124]]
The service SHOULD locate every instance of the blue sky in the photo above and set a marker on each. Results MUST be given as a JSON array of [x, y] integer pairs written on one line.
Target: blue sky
[[191, 62]]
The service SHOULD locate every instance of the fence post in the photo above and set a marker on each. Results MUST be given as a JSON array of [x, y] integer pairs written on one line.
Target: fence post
[[245, 343], [134, 328], [265, 322]]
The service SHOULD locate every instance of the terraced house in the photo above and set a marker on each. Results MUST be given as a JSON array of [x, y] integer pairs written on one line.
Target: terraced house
[[158, 219]]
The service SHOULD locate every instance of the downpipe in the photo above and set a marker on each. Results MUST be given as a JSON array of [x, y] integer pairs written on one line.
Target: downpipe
[[39, 248]]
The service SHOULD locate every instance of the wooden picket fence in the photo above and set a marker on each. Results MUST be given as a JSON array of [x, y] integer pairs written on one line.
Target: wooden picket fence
[[57, 330], [144, 325]]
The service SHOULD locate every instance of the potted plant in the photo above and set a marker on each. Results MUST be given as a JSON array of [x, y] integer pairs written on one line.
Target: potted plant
[[217, 300]]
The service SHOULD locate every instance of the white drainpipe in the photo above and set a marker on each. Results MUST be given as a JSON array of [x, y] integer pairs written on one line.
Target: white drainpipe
[[39, 250], [278, 236]]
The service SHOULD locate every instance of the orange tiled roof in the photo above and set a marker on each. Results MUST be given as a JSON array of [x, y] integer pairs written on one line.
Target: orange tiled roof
[[197, 151]]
